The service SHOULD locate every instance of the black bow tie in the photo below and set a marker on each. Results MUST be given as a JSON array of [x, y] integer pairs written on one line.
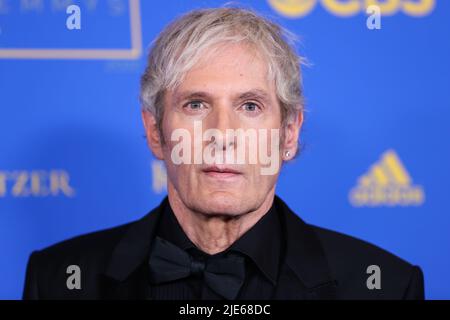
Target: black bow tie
[[224, 274]]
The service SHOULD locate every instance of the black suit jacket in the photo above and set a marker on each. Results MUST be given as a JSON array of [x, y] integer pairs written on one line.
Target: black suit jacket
[[321, 264]]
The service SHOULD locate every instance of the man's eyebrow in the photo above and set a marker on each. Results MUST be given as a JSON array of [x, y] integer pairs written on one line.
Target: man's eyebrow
[[255, 94], [251, 94], [187, 95]]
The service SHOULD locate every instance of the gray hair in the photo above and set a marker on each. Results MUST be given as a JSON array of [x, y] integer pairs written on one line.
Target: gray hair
[[179, 46]]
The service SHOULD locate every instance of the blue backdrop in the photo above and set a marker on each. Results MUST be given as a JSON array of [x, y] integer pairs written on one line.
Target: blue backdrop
[[376, 159]]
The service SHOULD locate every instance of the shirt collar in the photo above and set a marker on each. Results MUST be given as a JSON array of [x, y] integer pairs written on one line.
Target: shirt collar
[[261, 243], [169, 229]]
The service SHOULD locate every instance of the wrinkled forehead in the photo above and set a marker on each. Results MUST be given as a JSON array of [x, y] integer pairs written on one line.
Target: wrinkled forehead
[[228, 68]]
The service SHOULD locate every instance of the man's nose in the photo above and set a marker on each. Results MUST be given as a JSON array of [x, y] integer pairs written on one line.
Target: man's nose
[[223, 119]]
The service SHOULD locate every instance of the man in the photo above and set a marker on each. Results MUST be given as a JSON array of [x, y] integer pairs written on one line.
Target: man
[[221, 85]]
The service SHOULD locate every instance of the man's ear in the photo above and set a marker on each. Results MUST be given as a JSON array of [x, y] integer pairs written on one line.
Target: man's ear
[[152, 133], [291, 136]]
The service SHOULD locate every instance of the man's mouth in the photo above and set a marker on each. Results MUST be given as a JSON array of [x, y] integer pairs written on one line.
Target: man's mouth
[[221, 172]]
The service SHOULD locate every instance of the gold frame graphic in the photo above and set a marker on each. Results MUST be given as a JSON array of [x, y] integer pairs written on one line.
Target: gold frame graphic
[[102, 54]]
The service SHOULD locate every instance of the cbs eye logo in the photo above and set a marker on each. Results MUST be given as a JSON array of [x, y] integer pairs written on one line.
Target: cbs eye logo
[[347, 8]]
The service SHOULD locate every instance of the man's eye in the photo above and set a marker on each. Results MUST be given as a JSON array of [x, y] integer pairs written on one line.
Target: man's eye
[[194, 105], [251, 107]]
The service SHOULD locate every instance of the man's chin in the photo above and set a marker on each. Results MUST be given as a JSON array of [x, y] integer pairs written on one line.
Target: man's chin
[[222, 203]]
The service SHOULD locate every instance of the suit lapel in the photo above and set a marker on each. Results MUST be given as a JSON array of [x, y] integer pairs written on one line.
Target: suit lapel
[[305, 258], [126, 275]]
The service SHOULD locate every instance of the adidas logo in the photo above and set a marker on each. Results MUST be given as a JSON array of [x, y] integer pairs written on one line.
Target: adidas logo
[[386, 183]]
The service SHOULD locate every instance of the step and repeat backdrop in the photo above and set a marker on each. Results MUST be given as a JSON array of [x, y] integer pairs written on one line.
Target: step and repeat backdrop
[[376, 151]]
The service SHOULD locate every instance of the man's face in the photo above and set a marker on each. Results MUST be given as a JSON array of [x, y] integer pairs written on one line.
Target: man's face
[[229, 90]]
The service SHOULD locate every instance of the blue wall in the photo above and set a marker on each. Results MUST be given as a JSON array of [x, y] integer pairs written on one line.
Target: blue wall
[[73, 158]]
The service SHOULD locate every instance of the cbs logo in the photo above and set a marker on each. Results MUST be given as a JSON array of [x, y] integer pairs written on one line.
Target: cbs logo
[[347, 8]]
